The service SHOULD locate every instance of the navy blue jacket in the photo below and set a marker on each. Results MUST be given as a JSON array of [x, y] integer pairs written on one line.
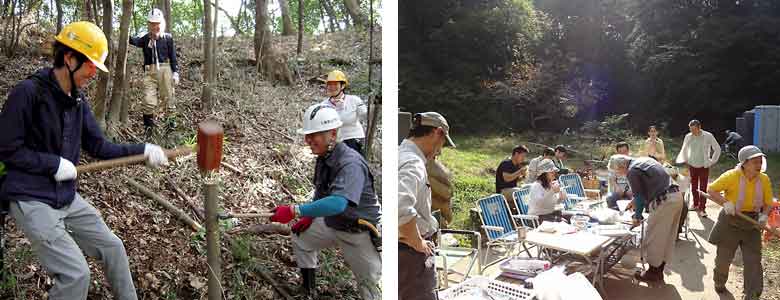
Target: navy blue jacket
[[40, 124], [166, 50]]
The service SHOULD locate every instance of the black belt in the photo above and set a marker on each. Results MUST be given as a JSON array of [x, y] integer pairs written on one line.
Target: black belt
[[665, 194]]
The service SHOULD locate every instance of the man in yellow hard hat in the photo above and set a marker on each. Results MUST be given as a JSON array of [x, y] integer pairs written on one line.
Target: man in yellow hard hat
[[161, 72], [46, 122], [350, 108]]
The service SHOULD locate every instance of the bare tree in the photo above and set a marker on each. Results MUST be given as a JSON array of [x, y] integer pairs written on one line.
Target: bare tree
[[269, 62], [259, 31], [300, 28], [58, 3], [208, 36], [214, 42], [118, 90], [103, 77], [331, 14], [13, 28], [287, 26], [86, 11], [165, 6]]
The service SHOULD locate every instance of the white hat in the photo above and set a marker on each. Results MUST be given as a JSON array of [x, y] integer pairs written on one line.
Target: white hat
[[155, 16], [318, 118], [547, 165], [750, 152]]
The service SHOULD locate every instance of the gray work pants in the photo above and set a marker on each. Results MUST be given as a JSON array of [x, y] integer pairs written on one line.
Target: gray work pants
[[729, 233], [358, 250], [59, 236]]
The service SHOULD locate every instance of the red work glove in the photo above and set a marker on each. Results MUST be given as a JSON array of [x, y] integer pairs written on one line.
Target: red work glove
[[283, 214], [302, 225]]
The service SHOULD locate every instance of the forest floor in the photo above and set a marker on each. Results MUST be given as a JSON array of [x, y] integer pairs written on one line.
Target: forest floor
[[167, 258]]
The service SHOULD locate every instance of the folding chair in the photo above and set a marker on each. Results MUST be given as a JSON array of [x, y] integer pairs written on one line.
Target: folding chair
[[444, 251], [524, 220], [572, 183], [498, 223]]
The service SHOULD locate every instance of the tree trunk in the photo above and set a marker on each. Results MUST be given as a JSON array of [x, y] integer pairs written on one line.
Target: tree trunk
[[345, 17], [300, 28], [103, 77], [353, 7], [165, 6], [260, 7], [97, 6], [214, 43], [124, 114], [207, 37], [322, 17], [118, 90], [59, 15], [235, 22], [287, 26], [332, 20]]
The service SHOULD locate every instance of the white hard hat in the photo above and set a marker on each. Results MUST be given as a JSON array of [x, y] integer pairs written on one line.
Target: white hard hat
[[155, 16], [318, 118]]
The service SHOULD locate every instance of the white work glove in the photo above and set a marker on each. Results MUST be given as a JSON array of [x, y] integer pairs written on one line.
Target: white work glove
[[762, 218], [66, 171], [729, 208], [176, 78], [155, 156]]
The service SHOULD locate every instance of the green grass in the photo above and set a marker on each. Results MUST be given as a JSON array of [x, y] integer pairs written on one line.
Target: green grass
[[475, 159]]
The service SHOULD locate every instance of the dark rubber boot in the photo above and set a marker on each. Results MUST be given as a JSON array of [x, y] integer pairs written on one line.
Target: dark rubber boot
[[307, 283], [651, 275], [148, 127]]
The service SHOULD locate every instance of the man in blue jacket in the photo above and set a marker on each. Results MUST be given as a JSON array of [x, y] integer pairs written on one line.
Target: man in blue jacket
[[46, 121], [161, 72]]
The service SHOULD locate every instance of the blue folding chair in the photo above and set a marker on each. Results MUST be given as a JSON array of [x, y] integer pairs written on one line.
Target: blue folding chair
[[576, 191], [499, 224], [521, 201]]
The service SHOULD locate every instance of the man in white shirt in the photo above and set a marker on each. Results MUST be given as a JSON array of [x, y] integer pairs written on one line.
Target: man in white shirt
[[416, 224], [699, 152]]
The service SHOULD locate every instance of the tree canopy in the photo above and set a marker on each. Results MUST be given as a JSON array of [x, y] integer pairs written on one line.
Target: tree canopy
[[516, 64]]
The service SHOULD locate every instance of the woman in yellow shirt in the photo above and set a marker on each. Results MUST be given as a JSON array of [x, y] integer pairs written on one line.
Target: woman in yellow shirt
[[747, 190]]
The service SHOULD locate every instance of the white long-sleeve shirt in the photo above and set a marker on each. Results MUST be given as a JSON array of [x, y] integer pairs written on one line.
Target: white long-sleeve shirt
[[351, 109], [542, 201], [700, 151], [414, 192]]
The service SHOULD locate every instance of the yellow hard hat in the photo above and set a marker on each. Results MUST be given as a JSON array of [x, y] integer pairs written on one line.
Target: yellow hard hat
[[88, 39], [337, 75]]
